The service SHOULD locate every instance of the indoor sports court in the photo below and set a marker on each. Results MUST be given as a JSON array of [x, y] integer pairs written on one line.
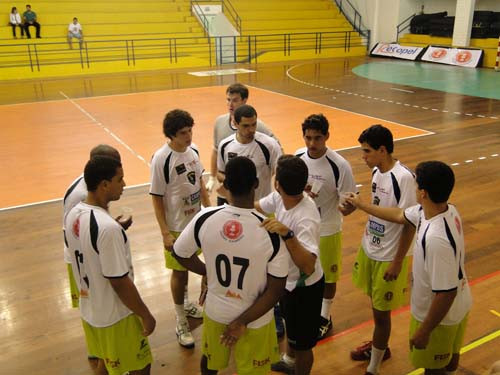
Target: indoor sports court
[[48, 126]]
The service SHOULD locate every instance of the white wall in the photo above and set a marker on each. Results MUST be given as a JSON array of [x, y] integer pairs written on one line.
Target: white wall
[[434, 6]]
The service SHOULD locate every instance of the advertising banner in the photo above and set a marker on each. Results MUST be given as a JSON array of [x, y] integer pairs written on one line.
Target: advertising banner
[[469, 58], [396, 51]]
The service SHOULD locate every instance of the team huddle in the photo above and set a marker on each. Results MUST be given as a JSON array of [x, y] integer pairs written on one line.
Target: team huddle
[[270, 250]]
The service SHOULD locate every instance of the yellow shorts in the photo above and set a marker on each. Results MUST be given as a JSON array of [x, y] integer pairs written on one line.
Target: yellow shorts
[[253, 352], [121, 346], [330, 256], [443, 343], [172, 263], [73, 288], [368, 275]]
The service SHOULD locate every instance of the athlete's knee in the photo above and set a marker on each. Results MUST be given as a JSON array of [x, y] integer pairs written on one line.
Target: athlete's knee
[[382, 318]]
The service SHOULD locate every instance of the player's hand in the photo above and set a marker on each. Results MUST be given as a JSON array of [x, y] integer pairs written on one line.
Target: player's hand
[[354, 199], [346, 208], [308, 190], [168, 241], [212, 181], [420, 339], [148, 325], [232, 333], [204, 290], [274, 226], [125, 222], [393, 270]]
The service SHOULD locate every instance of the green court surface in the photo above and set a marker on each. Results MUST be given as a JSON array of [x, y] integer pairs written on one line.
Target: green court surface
[[453, 79]]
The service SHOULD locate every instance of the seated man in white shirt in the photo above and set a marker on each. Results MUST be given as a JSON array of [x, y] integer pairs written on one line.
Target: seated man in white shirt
[[75, 31]]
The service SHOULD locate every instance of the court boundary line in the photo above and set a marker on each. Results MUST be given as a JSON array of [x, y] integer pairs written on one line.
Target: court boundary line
[[426, 132], [106, 129], [9, 208]]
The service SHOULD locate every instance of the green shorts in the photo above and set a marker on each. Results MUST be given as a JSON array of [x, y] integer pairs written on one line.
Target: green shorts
[[172, 263], [443, 343], [253, 352], [73, 288], [368, 275], [330, 255], [121, 346]]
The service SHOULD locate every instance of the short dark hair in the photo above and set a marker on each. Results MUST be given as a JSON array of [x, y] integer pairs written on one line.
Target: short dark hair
[[315, 122], [175, 120], [27, 5], [100, 168], [436, 178], [105, 150], [241, 176], [238, 88], [292, 174], [376, 136], [244, 111], [74, 18]]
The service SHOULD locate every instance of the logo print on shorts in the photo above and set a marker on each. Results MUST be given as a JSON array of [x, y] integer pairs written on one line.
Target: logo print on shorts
[[76, 228], [388, 296], [334, 268], [232, 230], [191, 176]]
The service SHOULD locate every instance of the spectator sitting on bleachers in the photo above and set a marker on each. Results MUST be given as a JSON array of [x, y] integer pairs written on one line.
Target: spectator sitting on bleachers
[[75, 31], [29, 18], [15, 20]]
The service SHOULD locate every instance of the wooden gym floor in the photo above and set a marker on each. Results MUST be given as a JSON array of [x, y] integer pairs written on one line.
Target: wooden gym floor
[[48, 127]]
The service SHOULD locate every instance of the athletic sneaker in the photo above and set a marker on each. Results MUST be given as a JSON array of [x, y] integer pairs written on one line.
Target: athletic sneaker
[[364, 352], [193, 310], [325, 326], [184, 336], [283, 367]]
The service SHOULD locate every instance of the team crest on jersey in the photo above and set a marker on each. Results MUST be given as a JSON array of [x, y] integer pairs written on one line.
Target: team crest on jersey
[[457, 224], [388, 296], [232, 230], [191, 176], [374, 187], [376, 201], [180, 169], [76, 228]]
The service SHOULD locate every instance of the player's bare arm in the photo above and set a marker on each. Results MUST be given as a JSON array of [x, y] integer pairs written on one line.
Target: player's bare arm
[[439, 308], [205, 198], [193, 264], [273, 292], [393, 214], [128, 294], [405, 243], [302, 258], [159, 209]]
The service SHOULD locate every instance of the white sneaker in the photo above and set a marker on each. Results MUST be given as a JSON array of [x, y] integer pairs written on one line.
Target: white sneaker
[[193, 310], [184, 336]]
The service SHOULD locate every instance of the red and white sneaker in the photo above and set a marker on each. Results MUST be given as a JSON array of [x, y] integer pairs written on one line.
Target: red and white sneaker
[[364, 352]]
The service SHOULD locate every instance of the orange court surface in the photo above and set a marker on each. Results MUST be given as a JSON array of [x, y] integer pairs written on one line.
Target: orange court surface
[[55, 136]]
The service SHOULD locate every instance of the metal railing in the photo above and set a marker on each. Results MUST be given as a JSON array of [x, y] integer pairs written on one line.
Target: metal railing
[[352, 15], [173, 50], [403, 26], [227, 8]]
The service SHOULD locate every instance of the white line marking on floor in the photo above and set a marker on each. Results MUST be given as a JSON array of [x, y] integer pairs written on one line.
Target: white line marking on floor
[[408, 91], [118, 139]]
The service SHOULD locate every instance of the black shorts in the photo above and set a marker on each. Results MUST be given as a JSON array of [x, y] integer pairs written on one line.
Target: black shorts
[[301, 309]]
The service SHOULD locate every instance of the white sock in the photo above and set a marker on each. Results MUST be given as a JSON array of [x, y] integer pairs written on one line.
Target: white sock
[[288, 360], [375, 360], [325, 307], [186, 301], [179, 313]]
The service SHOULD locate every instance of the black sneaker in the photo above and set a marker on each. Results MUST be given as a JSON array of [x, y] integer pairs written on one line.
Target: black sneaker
[[325, 326], [283, 367]]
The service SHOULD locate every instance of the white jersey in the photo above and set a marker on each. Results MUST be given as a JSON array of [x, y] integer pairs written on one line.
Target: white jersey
[[334, 174], [75, 28], [239, 255], [394, 188], [175, 176], [100, 250], [264, 151], [76, 193], [304, 221], [438, 263], [223, 129]]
